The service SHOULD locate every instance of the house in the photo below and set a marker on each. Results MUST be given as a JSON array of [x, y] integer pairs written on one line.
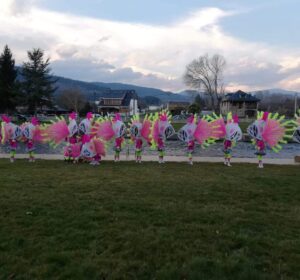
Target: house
[[177, 107], [241, 103], [122, 101]]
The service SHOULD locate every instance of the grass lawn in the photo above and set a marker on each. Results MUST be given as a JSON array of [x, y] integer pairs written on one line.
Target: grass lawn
[[149, 221]]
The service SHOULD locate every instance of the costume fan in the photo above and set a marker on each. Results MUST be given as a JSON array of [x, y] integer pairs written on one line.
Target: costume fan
[[269, 130]]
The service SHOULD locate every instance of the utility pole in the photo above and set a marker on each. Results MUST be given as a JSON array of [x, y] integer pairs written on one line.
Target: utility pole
[[296, 103], [94, 106]]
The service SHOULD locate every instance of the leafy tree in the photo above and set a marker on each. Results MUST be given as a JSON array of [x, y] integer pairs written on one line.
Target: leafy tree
[[199, 101], [87, 108], [194, 108], [72, 99], [38, 85], [152, 100], [207, 73], [8, 84]]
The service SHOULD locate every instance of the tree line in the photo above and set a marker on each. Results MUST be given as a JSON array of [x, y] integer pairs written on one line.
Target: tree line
[[30, 85]]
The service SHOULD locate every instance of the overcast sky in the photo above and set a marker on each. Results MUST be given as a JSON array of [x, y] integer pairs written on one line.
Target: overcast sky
[[149, 42]]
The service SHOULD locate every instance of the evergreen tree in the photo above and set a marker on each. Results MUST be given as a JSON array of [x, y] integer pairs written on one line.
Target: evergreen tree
[[8, 75], [38, 85], [199, 101]]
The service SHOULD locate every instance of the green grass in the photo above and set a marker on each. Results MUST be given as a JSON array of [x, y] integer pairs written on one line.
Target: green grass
[[128, 221]]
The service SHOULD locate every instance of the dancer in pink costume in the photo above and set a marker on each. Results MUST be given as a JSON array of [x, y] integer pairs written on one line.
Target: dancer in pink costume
[[86, 124], [296, 135], [160, 132], [231, 132], [119, 130], [92, 149], [205, 132], [186, 134], [108, 129], [140, 131], [32, 134], [11, 134], [73, 148], [269, 130]]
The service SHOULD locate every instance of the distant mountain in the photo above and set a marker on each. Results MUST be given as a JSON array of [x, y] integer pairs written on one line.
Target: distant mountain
[[164, 96], [94, 90], [276, 91]]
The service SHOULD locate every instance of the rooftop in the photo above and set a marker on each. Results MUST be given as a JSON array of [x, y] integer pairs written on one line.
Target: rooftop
[[240, 96]]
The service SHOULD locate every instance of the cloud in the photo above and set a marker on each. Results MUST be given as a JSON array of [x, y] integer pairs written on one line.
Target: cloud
[[85, 69], [103, 50], [16, 7]]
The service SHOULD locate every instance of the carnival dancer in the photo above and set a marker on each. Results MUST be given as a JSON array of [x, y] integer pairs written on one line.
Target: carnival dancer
[[140, 131], [160, 132], [86, 124], [205, 132], [120, 130], [233, 133], [296, 135], [269, 130], [32, 134], [93, 149], [186, 134], [11, 134], [110, 129], [73, 149]]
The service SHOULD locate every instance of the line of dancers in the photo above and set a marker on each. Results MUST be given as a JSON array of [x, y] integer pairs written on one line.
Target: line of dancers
[[88, 140]]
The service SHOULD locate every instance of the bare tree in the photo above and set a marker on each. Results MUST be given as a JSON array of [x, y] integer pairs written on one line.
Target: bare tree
[[206, 73], [72, 99]]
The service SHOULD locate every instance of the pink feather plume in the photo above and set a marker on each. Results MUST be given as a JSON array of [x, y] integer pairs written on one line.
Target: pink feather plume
[[163, 116], [235, 118], [190, 119], [203, 131], [273, 132], [38, 135], [218, 128], [99, 146], [265, 116], [103, 130], [146, 130], [34, 121], [57, 132]]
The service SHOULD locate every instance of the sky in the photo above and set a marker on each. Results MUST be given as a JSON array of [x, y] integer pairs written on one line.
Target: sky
[[150, 42]]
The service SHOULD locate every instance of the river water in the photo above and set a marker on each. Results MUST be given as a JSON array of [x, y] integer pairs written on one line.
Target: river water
[[177, 148]]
